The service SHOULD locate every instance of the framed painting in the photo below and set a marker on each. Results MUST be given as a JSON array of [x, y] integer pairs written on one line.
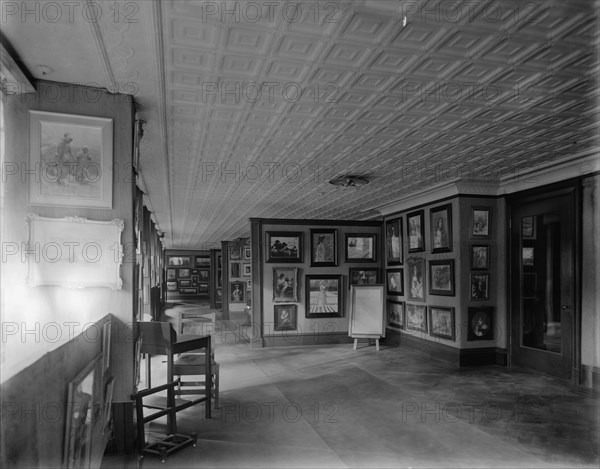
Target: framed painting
[[480, 286], [247, 269], [179, 261], [323, 296], [480, 222], [358, 276], [528, 256], [237, 292], [416, 317], [284, 246], [286, 317], [188, 291], [202, 261], [247, 253], [234, 252], [185, 283], [441, 228], [183, 273], [285, 284], [415, 231], [479, 257], [171, 286], [203, 275], [528, 227], [416, 279], [480, 323], [171, 274], [73, 155], [361, 247], [441, 322], [395, 282], [235, 270], [323, 248], [393, 241], [83, 405], [395, 314], [75, 252], [441, 277]]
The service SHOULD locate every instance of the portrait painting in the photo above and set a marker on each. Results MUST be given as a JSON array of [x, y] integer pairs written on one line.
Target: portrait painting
[[416, 279], [480, 222], [480, 323], [441, 322], [286, 317], [480, 286], [323, 296], [395, 314], [237, 292], [479, 257], [323, 248], [416, 317], [441, 229], [441, 277], [285, 284], [393, 241], [395, 281]]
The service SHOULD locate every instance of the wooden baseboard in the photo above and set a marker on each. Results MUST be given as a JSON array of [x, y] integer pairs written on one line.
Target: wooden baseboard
[[455, 356], [306, 339]]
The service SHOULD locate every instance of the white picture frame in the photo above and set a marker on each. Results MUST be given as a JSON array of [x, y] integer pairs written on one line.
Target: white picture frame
[[71, 157], [74, 252]]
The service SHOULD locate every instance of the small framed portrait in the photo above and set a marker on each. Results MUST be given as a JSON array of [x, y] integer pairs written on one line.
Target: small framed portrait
[[415, 231], [203, 288], [395, 314], [183, 273], [247, 253], [360, 276], [441, 322], [528, 227], [179, 261], [416, 317], [237, 292], [481, 323], [234, 252], [203, 275], [441, 229], [323, 296], [285, 284], [247, 269], [194, 271], [171, 274], [323, 248], [361, 247], [194, 278], [480, 286], [528, 256], [286, 317], [393, 241], [395, 282], [235, 270], [479, 257], [416, 279], [480, 222], [441, 277], [284, 246], [171, 286], [185, 283]]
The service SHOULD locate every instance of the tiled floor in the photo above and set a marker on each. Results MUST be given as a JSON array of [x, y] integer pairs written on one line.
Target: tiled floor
[[331, 406]]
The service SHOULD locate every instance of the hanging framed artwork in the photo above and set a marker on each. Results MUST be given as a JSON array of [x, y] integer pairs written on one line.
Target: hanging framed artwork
[[441, 277], [284, 246], [73, 155], [416, 279], [415, 231], [323, 248], [393, 241], [75, 252], [323, 296], [441, 228], [441, 322], [286, 317], [361, 247], [285, 284], [481, 222]]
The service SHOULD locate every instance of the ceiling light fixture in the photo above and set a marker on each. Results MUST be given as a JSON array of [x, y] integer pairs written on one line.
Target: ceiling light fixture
[[349, 181]]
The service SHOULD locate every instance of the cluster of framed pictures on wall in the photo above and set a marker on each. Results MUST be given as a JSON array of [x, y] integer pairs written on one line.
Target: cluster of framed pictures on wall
[[323, 293], [240, 272], [188, 275], [439, 278]]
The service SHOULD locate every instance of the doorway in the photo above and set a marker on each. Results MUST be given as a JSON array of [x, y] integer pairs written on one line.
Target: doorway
[[542, 266]]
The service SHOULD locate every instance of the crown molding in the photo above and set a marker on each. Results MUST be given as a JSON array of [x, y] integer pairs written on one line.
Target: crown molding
[[541, 175], [13, 80]]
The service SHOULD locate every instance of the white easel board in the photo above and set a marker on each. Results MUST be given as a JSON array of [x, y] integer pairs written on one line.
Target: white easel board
[[366, 319]]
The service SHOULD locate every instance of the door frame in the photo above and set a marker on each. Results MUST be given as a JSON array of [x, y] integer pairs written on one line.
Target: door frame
[[573, 188]]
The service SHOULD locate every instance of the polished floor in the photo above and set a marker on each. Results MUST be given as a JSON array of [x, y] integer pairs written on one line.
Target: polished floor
[[331, 406]]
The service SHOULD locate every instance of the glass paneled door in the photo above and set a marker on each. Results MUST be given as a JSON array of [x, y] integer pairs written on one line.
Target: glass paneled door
[[543, 283]]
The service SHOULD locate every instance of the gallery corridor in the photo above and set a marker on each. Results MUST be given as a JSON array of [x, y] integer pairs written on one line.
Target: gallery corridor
[[332, 406]]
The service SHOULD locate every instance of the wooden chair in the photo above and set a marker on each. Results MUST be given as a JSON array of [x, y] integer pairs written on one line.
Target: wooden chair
[[206, 320], [187, 355], [173, 441]]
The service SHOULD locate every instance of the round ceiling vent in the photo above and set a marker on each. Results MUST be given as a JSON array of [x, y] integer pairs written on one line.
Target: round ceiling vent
[[349, 181]]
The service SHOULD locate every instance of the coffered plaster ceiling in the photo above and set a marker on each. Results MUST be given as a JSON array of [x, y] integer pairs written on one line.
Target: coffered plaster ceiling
[[251, 107]]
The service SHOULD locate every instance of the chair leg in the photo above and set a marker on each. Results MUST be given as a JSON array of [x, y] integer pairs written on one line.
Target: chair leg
[[216, 379]]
